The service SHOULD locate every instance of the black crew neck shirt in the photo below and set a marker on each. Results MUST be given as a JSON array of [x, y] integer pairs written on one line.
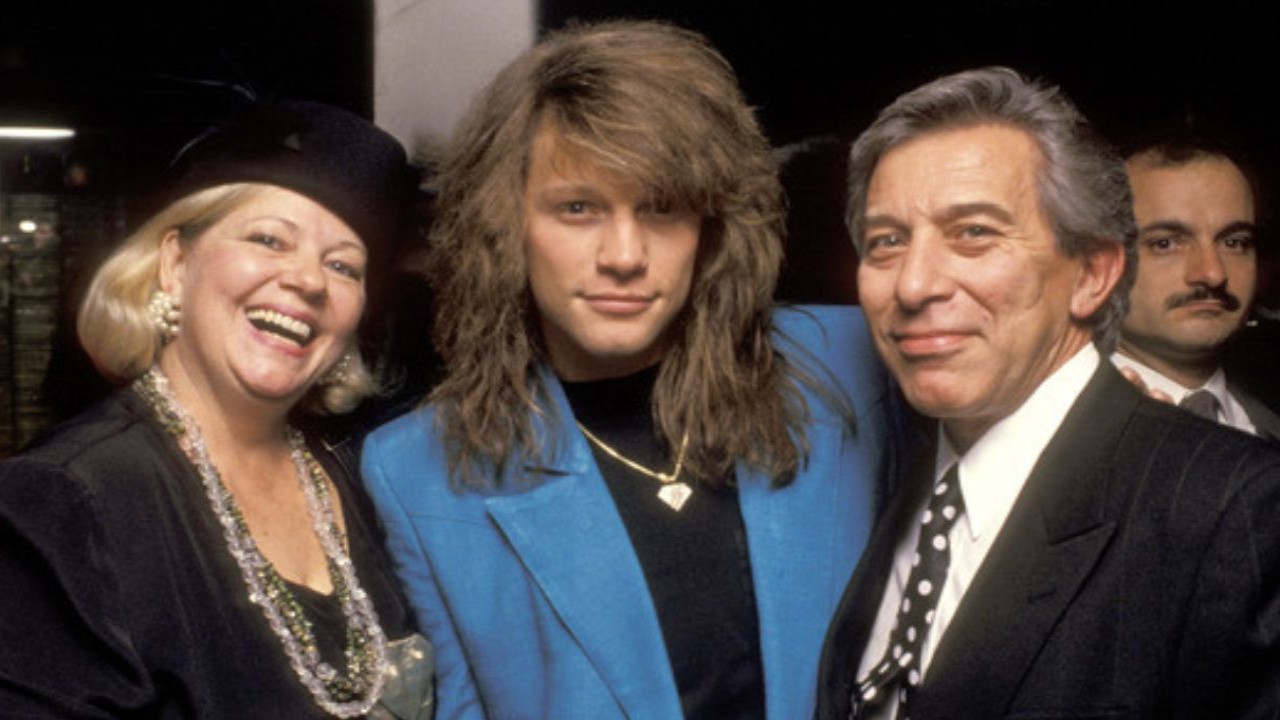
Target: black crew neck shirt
[[695, 561]]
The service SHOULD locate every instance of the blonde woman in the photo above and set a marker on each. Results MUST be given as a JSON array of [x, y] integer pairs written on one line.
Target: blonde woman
[[183, 549]]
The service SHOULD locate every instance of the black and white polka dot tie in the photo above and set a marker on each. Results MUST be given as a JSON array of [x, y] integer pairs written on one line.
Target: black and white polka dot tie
[[901, 661]]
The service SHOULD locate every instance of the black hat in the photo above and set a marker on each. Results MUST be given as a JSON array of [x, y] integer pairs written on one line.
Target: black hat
[[340, 160]]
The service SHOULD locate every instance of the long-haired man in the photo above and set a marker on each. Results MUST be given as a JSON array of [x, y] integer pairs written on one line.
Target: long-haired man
[[639, 488]]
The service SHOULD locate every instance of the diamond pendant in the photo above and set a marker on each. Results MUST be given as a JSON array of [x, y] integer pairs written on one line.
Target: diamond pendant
[[675, 495]]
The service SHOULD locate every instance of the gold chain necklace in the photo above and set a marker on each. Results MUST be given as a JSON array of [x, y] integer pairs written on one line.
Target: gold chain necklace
[[673, 492]]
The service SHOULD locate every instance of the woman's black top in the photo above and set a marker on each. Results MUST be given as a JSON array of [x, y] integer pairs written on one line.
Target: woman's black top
[[119, 598], [695, 561]]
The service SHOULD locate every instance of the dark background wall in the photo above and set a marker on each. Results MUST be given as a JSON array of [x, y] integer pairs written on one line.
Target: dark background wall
[[815, 67], [137, 79]]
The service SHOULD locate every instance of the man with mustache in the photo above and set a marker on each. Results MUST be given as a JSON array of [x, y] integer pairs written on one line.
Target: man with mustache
[[1064, 547], [1197, 273]]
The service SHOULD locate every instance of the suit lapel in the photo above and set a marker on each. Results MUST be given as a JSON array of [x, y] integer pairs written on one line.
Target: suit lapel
[[1050, 543], [1265, 422], [571, 540], [854, 618]]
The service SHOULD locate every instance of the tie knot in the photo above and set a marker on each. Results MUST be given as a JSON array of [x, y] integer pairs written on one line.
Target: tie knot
[[1202, 403], [946, 503]]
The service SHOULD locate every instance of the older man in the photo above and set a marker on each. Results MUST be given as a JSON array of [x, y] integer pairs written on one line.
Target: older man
[[1068, 547], [1197, 278]]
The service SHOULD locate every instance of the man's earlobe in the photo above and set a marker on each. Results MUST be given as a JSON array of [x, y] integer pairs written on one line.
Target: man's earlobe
[[1102, 268]]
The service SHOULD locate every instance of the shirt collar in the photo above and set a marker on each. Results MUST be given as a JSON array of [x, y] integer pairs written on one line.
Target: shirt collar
[[1156, 380], [994, 470]]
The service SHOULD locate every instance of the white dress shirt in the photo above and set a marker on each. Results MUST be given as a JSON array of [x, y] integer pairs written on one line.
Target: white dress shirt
[[992, 474], [1230, 412]]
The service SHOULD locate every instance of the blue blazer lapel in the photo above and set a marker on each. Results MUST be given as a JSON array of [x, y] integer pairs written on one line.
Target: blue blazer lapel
[[796, 535], [572, 542]]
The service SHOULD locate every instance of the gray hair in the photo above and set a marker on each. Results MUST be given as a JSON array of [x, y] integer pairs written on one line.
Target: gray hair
[[1082, 184]]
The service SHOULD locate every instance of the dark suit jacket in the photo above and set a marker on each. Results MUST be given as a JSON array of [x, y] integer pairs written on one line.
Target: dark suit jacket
[[1265, 421], [118, 596], [1137, 575]]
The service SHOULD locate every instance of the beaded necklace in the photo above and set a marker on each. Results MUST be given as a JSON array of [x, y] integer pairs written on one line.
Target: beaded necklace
[[348, 695]]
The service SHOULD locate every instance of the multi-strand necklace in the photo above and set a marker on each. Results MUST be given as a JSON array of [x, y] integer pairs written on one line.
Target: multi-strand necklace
[[346, 695]]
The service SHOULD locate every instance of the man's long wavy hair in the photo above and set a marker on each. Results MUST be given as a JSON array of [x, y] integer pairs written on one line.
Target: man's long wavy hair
[[657, 105]]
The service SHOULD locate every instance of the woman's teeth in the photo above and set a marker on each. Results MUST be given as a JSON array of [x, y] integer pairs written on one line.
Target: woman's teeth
[[280, 324]]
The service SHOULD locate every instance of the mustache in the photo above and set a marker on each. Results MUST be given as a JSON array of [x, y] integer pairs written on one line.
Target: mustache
[[1200, 293]]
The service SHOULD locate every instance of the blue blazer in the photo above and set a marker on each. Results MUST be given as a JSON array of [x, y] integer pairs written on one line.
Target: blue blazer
[[534, 598]]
